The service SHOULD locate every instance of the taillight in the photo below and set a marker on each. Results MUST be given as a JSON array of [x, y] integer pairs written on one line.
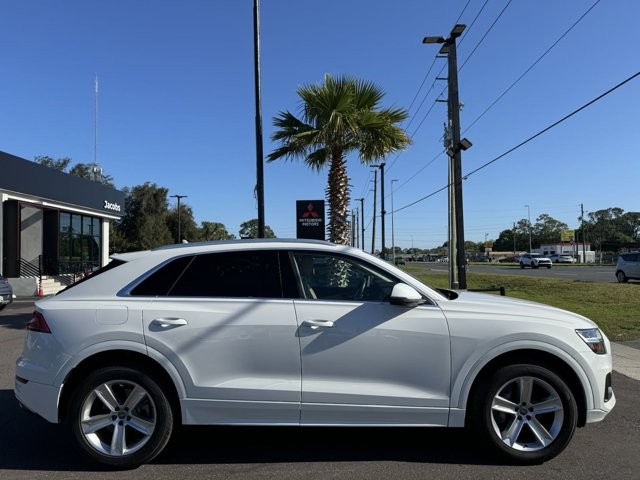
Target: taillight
[[38, 323]]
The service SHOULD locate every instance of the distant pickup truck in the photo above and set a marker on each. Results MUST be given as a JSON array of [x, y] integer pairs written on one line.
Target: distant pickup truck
[[534, 260]]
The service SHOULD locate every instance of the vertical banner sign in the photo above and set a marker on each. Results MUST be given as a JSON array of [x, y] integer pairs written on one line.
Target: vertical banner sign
[[310, 219]]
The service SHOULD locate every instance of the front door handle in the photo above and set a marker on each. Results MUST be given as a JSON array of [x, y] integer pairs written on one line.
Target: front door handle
[[316, 324], [169, 322]]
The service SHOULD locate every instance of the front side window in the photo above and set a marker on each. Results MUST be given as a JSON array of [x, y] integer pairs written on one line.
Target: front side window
[[332, 277]]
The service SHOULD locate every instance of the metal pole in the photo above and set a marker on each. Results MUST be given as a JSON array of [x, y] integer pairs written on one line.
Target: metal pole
[[362, 221], [259, 152], [393, 235], [179, 223], [373, 230], [383, 255], [584, 236], [529, 219]]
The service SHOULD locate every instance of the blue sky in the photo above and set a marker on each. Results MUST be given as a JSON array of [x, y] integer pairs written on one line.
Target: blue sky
[[176, 101]]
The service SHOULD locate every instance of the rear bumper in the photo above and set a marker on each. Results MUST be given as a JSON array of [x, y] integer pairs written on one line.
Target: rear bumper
[[38, 398]]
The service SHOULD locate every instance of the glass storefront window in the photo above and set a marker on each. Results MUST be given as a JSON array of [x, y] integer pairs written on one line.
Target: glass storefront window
[[80, 240]]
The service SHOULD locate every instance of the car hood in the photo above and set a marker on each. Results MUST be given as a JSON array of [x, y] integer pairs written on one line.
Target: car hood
[[513, 308]]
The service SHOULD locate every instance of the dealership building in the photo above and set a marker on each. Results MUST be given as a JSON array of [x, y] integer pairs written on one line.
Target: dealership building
[[53, 225]]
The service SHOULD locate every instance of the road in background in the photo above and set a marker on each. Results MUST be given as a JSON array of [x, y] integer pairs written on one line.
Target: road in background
[[587, 273]]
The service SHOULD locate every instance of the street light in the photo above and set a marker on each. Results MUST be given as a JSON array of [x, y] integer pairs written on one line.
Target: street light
[[529, 218], [179, 197], [454, 146], [393, 233]]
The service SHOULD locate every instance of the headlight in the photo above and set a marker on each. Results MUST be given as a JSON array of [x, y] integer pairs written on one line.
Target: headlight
[[594, 339]]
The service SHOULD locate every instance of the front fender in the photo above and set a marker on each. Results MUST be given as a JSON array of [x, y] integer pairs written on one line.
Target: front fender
[[465, 378]]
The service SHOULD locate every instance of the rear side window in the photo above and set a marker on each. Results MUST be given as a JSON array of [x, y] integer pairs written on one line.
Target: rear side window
[[231, 274], [160, 282], [109, 266], [630, 257]]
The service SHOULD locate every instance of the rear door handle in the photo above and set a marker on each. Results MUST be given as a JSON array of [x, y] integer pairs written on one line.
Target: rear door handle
[[169, 322], [316, 324]]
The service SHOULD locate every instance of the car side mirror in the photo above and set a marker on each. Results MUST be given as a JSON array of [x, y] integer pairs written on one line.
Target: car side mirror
[[406, 296]]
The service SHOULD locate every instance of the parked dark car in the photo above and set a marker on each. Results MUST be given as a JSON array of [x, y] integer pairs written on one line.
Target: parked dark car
[[6, 292]]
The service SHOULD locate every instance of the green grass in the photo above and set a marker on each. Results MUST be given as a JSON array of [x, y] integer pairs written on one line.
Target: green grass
[[614, 307]]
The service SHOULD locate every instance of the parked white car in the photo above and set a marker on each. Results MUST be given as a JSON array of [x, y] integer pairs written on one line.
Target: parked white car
[[562, 258], [534, 260], [259, 332]]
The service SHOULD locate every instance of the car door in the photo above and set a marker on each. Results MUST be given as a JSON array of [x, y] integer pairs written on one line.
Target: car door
[[365, 361], [224, 326]]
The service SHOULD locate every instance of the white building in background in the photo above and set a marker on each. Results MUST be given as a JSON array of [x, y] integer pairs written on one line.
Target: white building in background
[[574, 249]]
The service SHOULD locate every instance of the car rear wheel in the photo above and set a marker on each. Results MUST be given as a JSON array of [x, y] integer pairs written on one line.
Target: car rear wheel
[[526, 413], [120, 417], [521, 265], [622, 278]]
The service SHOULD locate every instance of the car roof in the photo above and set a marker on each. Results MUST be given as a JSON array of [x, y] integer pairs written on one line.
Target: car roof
[[226, 245]]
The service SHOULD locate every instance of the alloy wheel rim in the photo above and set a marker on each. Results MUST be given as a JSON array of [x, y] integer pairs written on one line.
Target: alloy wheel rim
[[527, 414], [118, 418]]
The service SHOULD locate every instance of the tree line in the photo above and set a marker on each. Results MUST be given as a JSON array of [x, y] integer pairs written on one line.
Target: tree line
[[608, 230]]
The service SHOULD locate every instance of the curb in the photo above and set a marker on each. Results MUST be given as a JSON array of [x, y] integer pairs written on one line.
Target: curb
[[626, 360]]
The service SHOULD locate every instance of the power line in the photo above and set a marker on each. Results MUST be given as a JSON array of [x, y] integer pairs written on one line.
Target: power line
[[503, 93], [521, 144], [413, 117], [485, 34], [531, 67], [563, 119]]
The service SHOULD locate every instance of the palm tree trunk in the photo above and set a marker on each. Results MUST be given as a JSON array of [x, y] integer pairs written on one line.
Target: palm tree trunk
[[338, 199]]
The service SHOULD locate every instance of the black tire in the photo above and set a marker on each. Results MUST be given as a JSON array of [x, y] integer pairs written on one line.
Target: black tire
[[534, 265], [128, 409], [622, 278], [549, 266], [505, 407], [521, 265]]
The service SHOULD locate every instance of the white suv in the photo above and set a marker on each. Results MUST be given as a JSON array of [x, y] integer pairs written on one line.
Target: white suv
[[628, 266], [534, 260], [259, 332]]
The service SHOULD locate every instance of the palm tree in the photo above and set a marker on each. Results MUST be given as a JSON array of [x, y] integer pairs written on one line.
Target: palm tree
[[339, 116]]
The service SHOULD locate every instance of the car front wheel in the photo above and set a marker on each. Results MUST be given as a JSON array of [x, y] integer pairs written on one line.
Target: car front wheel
[[120, 417], [526, 413]]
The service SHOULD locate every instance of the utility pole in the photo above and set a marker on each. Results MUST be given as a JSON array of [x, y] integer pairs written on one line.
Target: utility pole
[[457, 257], [362, 220], [353, 228], [259, 151], [375, 193], [393, 229], [357, 229], [584, 236], [529, 219], [383, 212], [514, 239]]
